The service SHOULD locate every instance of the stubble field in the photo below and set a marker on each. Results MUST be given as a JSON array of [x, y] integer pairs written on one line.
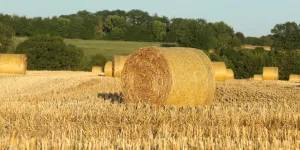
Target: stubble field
[[62, 110]]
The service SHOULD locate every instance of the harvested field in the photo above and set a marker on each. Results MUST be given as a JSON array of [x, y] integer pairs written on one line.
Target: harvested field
[[61, 110]]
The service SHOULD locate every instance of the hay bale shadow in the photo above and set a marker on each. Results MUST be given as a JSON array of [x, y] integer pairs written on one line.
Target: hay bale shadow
[[168, 45], [113, 97]]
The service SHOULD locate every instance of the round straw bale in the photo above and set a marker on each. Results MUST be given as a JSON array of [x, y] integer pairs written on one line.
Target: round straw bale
[[168, 76], [119, 62], [97, 69], [258, 77], [270, 73], [108, 69], [229, 74], [13, 63], [294, 78], [115, 64], [220, 70]]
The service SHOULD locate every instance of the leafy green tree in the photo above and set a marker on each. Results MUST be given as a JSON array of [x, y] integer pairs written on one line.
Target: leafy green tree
[[50, 53], [177, 29], [159, 30], [286, 36], [106, 13], [165, 20], [99, 29], [116, 26], [115, 21], [225, 35], [76, 26], [88, 30], [240, 36], [197, 34], [63, 29], [73, 57], [116, 34], [138, 17], [98, 60], [6, 38], [142, 33], [6, 19]]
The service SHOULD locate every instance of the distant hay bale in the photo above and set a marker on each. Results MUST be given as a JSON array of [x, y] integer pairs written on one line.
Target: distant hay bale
[[258, 77], [168, 76], [13, 63], [220, 70], [270, 73], [118, 64], [97, 69], [108, 69], [115, 64], [294, 78], [229, 74]]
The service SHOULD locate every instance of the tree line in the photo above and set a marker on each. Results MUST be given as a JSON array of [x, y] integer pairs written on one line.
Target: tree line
[[138, 25], [47, 50], [134, 25]]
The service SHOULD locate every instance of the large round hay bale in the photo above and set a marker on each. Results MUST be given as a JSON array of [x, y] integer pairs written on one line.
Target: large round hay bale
[[229, 74], [294, 78], [118, 64], [97, 69], [168, 76], [220, 70], [270, 73], [258, 77], [13, 63], [108, 69]]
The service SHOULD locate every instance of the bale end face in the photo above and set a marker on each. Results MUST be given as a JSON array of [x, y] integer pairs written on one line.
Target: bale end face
[[118, 64], [229, 74], [13, 63], [108, 71], [258, 77], [168, 76], [220, 71], [294, 78], [97, 69], [270, 73]]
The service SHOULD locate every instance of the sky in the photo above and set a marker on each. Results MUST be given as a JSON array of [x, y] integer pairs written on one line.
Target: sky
[[252, 17]]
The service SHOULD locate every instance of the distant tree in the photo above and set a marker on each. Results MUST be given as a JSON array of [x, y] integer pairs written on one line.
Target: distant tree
[[115, 21], [106, 13], [163, 19], [50, 53], [116, 26], [88, 27], [99, 29], [6, 38], [225, 35], [139, 33], [98, 60], [286, 36], [73, 57], [76, 26], [83, 13], [177, 29], [240, 36], [64, 25], [6, 19], [158, 30], [196, 33], [138, 17]]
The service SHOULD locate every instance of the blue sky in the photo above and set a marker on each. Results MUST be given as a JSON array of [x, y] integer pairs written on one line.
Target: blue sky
[[252, 17]]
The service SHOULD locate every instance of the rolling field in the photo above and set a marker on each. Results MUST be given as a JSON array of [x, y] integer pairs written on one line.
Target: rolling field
[[62, 110], [106, 48]]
